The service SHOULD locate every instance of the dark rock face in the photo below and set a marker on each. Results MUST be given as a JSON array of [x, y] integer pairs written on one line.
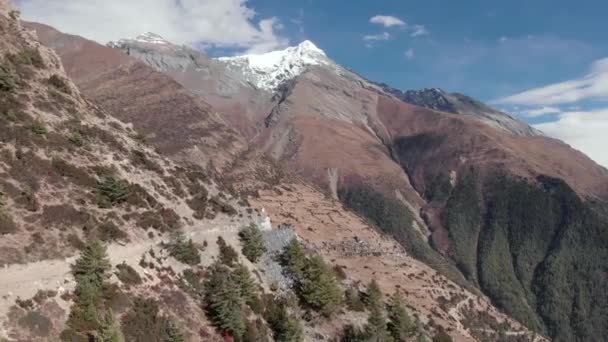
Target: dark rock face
[[437, 99], [433, 98]]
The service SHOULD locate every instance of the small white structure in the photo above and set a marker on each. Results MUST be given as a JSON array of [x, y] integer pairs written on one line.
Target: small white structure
[[264, 222]]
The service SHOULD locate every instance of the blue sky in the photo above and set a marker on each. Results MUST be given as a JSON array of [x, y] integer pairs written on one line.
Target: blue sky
[[487, 49], [541, 60], [490, 50]]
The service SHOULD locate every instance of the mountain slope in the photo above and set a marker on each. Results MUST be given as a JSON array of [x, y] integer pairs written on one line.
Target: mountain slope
[[165, 196], [412, 171], [344, 133], [159, 108], [69, 173], [241, 103]]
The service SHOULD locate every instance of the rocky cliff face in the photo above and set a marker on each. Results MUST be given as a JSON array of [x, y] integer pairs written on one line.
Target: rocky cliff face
[[437, 99]]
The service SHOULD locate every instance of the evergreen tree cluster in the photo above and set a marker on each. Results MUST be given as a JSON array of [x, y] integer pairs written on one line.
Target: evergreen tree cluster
[[229, 290], [285, 326], [252, 242], [111, 191], [385, 323], [184, 250], [92, 319], [144, 323], [315, 281]]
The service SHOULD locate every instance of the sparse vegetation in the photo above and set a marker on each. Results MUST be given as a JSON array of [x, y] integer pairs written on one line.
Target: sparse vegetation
[[7, 81], [222, 207], [127, 275], [38, 127], [442, 336], [111, 191], [59, 83], [28, 56], [7, 225], [36, 323], [252, 242], [143, 322], [76, 139]]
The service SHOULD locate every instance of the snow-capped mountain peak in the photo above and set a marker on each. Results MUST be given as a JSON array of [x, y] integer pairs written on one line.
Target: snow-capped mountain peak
[[269, 70], [151, 38], [146, 38]]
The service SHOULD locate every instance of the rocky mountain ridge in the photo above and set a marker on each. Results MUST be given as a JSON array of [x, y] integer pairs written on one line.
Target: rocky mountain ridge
[[270, 70], [437, 99]]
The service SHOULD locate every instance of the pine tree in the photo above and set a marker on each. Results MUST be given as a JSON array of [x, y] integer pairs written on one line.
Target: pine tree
[[400, 325], [318, 286], [184, 250], [249, 290], [224, 301], [109, 331], [88, 314], [228, 256], [375, 298], [253, 242], [294, 259], [353, 300], [285, 327], [352, 334], [255, 332], [376, 329], [112, 191], [93, 265]]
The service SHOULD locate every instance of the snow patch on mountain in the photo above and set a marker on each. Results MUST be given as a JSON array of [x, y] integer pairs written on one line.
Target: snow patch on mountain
[[269, 70], [151, 38], [146, 38]]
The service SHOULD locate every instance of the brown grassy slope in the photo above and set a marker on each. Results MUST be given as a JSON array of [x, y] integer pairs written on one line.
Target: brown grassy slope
[[463, 142], [176, 122], [364, 254], [56, 149]]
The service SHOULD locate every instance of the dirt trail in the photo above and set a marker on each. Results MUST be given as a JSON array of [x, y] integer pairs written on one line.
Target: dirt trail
[[24, 280]]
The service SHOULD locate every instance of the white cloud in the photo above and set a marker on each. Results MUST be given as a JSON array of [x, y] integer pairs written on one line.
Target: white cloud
[[419, 30], [594, 85], [220, 23], [380, 36], [409, 53], [539, 111], [585, 131], [386, 20]]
